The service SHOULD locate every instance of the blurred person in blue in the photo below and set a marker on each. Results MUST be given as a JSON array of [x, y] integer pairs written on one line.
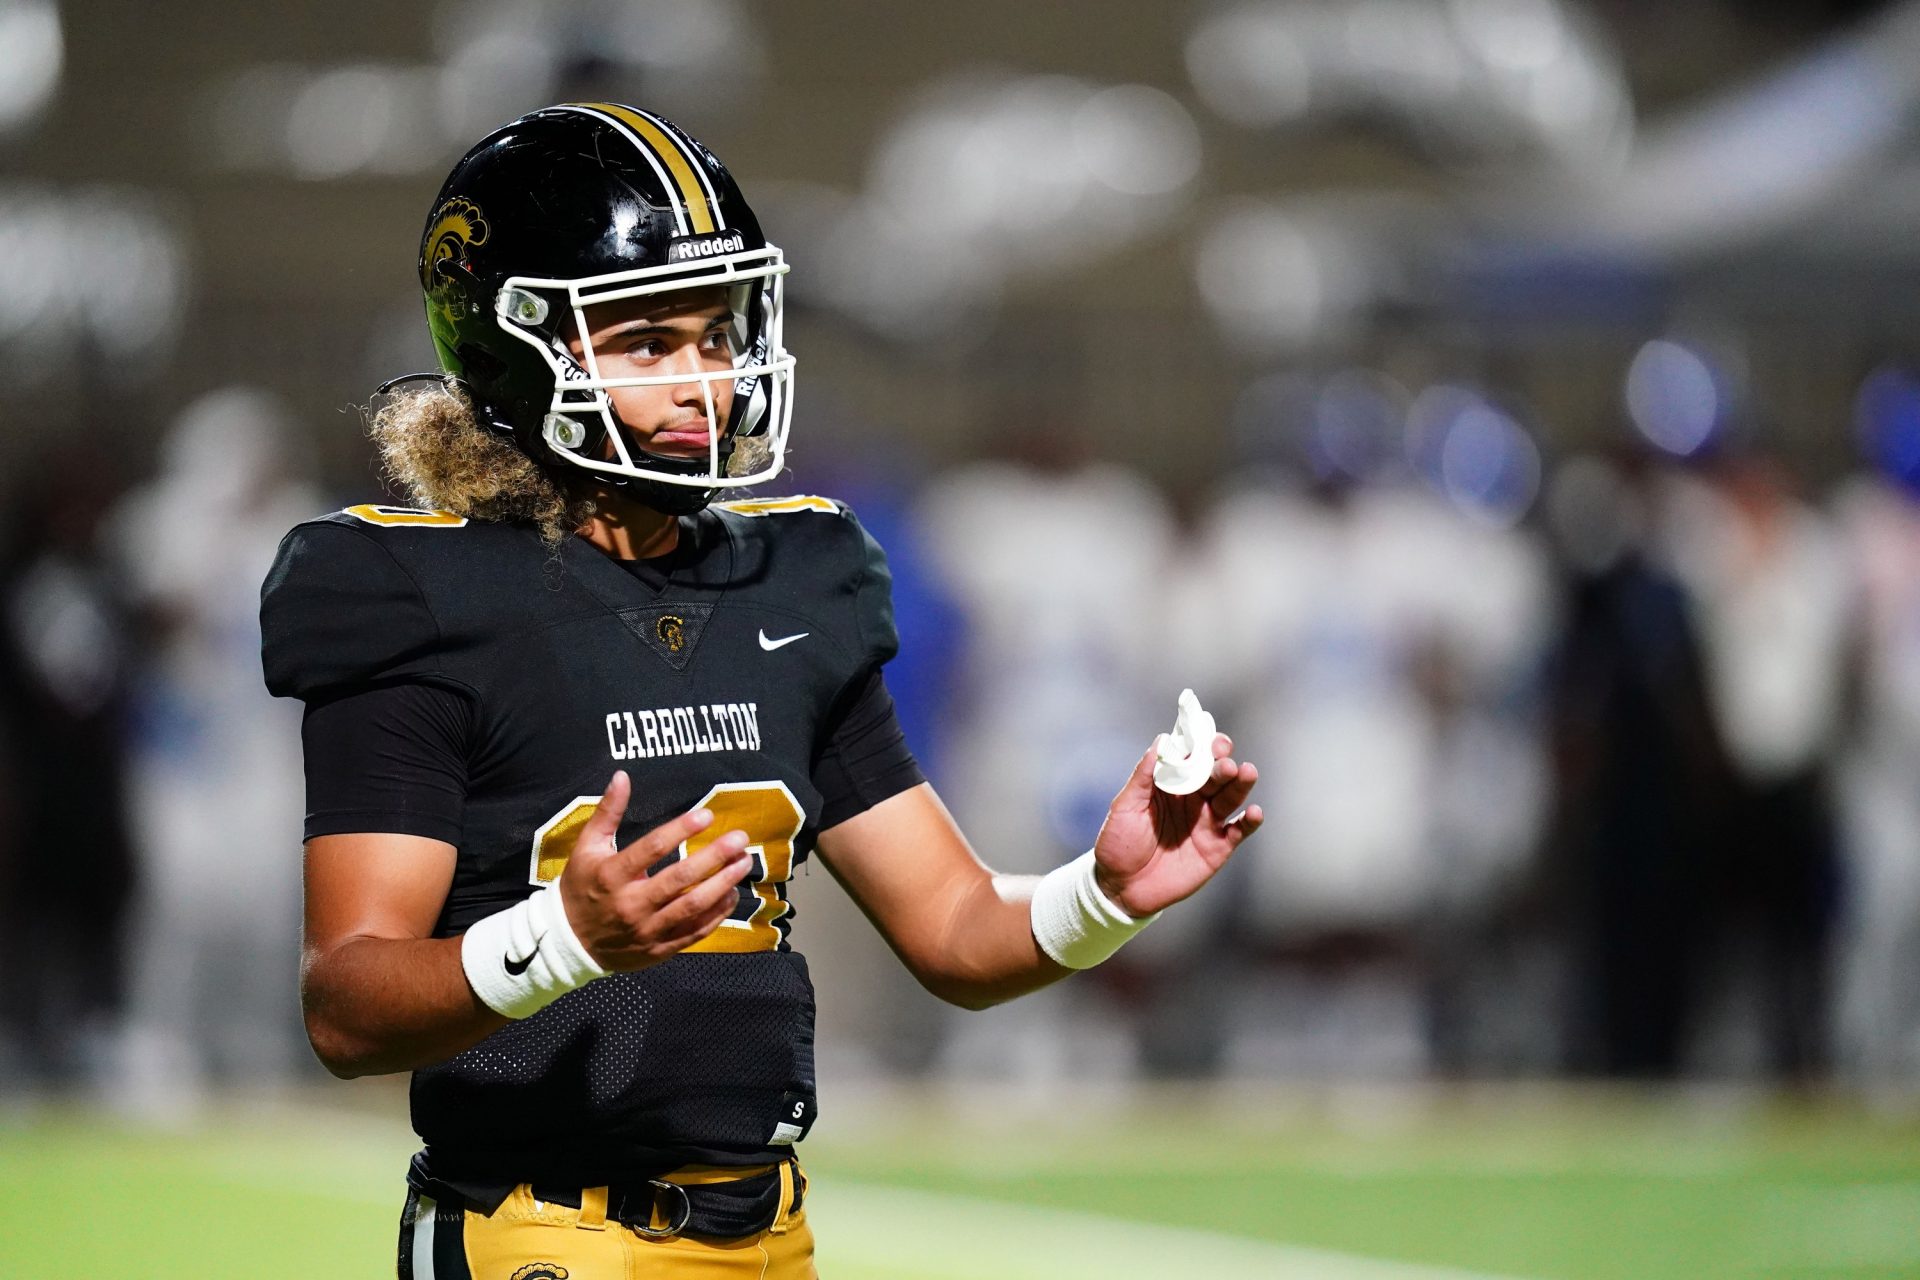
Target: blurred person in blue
[[590, 977], [214, 771], [67, 865]]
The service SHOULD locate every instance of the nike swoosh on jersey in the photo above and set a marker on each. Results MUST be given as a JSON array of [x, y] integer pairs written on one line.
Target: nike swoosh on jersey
[[771, 645]]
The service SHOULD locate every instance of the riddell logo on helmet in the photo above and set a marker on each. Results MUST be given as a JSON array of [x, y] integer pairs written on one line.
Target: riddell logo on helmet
[[691, 248]]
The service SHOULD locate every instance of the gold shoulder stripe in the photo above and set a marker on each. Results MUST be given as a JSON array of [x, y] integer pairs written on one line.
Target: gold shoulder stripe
[[390, 516], [780, 506], [700, 212]]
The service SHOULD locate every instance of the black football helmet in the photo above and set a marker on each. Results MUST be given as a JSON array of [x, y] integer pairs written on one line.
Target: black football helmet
[[588, 203]]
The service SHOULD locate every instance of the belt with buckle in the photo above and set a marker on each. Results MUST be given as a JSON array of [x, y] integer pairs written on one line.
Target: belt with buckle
[[659, 1209]]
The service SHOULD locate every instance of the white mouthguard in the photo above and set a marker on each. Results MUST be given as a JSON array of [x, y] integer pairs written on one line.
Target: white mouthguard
[[1186, 754]]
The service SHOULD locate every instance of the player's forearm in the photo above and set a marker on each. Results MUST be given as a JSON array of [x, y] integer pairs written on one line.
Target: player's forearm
[[987, 954], [378, 1005]]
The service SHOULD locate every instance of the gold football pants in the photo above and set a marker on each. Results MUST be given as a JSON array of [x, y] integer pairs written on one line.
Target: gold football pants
[[526, 1239]]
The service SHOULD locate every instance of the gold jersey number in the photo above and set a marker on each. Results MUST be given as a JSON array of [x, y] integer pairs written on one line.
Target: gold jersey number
[[766, 811]]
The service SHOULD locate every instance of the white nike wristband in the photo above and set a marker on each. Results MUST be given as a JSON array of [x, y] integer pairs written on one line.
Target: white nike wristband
[[522, 959], [1074, 922]]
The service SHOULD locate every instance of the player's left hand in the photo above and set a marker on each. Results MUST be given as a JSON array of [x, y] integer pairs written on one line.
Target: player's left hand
[[1155, 849]]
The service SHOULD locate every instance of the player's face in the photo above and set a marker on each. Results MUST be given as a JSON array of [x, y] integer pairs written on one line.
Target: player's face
[[689, 333]]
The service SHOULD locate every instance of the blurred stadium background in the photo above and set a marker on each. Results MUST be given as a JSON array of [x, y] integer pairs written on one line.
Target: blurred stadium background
[[1505, 413]]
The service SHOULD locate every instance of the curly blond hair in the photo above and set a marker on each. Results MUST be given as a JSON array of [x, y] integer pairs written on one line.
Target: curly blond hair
[[435, 450]]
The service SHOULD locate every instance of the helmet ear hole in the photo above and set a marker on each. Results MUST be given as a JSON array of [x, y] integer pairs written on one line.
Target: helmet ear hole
[[480, 364], [462, 275]]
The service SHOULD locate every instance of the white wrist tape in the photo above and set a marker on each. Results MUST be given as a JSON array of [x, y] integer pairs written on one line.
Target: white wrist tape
[[1074, 922], [524, 958]]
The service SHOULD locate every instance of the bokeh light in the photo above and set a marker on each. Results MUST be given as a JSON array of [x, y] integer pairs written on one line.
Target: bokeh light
[[1474, 454], [1357, 419], [1886, 419], [1470, 80], [1674, 397], [1274, 280], [32, 54], [97, 270]]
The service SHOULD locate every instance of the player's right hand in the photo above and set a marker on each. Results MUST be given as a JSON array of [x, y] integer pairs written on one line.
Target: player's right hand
[[628, 919]]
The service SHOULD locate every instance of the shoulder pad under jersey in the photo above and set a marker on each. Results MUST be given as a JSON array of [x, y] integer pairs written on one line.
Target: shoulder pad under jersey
[[845, 564], [338, 609]]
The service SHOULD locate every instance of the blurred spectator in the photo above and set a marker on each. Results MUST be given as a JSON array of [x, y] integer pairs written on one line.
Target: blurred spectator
[[1774, 602], [1326, 665], [1060, 572], [215, 772], [1494, 607], [1060, 568], [1639, 767], [66, 869], [1878, 1015], [1378, 663], [1877, 1023]]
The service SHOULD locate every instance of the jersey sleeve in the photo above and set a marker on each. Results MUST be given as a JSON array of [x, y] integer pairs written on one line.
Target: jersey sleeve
[[862, 756], [872, 599], [866, 758], [337, 612], [391, 758]]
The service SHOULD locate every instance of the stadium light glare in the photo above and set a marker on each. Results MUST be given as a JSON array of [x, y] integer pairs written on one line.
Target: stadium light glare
[[32, 55]]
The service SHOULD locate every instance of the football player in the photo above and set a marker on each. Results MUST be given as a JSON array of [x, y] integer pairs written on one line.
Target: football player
[[571, 723]]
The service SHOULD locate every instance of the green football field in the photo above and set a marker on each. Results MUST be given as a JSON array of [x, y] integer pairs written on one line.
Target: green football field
[[1346, 1185]]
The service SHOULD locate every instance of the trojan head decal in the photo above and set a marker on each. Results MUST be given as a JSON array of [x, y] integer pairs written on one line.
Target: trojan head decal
[[456, 224]]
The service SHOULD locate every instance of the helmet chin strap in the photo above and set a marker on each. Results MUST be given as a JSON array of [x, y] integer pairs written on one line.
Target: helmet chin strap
[[671, 499], [674, 499], [563, 433]]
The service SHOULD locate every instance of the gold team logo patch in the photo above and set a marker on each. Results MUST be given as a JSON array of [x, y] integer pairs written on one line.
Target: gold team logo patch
[[672, 631], [541, 1271], [456, 224]]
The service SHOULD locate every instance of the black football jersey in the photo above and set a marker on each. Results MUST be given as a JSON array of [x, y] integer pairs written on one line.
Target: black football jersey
[[708, 679]]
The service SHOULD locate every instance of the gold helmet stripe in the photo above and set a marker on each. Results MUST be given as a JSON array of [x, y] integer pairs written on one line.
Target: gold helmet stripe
[[703, 210], [647, 153], [691, 151]]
